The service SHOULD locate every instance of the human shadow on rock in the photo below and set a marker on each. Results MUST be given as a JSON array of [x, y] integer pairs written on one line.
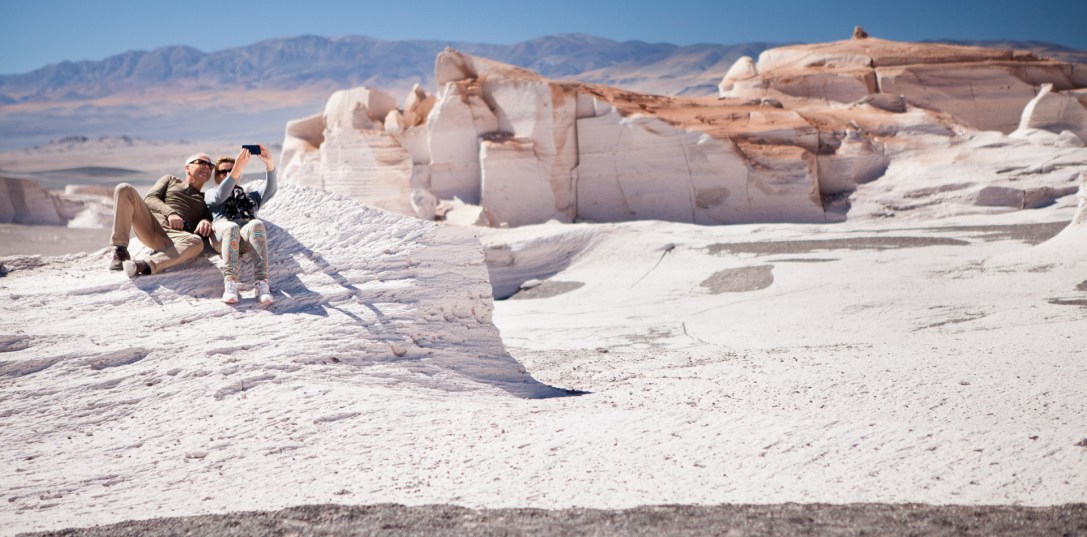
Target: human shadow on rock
[[198, 278], [293, 296]]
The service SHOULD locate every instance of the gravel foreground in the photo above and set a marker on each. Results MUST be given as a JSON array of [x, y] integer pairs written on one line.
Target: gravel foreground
[[728, 520]]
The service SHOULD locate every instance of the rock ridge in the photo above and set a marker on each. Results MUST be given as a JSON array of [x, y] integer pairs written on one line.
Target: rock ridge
[[788, 140]]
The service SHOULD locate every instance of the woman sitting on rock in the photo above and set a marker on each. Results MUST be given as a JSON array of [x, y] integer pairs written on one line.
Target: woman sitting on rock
[[236, 229]]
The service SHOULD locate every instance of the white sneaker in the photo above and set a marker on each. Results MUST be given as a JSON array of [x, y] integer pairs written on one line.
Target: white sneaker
[[130, 268], [134, 268], [263, 292], [230, 291]]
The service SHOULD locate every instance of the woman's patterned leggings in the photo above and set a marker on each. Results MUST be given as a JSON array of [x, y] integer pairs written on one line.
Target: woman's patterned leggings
[[236, 237]]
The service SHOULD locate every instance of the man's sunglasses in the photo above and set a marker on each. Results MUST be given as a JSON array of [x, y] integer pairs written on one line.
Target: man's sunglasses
[[202, 162], [221, 172]]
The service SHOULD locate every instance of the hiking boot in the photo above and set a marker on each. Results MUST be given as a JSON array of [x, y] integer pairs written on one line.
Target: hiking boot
[[136, 268], [120, 255], [230, 291], [264, 293]]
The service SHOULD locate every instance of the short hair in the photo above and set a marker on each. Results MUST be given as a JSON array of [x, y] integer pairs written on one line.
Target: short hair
[[197, 156], [221, 160]]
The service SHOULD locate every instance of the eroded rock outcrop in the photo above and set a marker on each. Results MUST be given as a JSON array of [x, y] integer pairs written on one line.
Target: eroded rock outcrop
[[1057, 112], [345, 150], [23, 201], [985, 88], [524, 150], [789, 140], [500, 145], [1080, 219]]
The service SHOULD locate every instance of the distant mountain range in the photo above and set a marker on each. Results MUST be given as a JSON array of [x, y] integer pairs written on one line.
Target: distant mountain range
[[340, 62], [181, 89]]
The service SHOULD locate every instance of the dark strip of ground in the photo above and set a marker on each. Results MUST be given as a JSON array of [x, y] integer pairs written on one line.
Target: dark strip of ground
[[1028, 233], [733, 520]]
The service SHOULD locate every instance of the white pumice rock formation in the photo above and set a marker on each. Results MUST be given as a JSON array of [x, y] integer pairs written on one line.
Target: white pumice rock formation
[[526, 150], [23, 201], [789, 140], [1057, 112], [1080, 219], [984, 88]]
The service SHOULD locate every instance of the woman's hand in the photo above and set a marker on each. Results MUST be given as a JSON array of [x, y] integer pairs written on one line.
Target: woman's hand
[[239, 164], [266, 156]]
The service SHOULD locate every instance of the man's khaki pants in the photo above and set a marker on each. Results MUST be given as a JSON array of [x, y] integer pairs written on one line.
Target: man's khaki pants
[[170, 246]]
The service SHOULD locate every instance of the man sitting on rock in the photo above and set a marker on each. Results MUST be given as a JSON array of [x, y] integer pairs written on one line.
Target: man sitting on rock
[[170, 219]]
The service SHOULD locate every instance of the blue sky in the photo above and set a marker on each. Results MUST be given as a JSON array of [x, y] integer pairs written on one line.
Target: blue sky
[[41, 32]]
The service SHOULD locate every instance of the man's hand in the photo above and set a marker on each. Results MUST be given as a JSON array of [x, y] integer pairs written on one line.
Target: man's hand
[[175, 221], [203, 228]]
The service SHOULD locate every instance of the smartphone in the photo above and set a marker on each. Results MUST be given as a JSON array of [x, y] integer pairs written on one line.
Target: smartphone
[[254, 149]]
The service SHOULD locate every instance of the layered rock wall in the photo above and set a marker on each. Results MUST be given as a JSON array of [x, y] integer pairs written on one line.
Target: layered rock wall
[[790, 138], [519, 149], [986, 89]]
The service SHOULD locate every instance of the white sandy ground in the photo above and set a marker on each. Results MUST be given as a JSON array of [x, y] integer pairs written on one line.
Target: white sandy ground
[[905, 359]]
